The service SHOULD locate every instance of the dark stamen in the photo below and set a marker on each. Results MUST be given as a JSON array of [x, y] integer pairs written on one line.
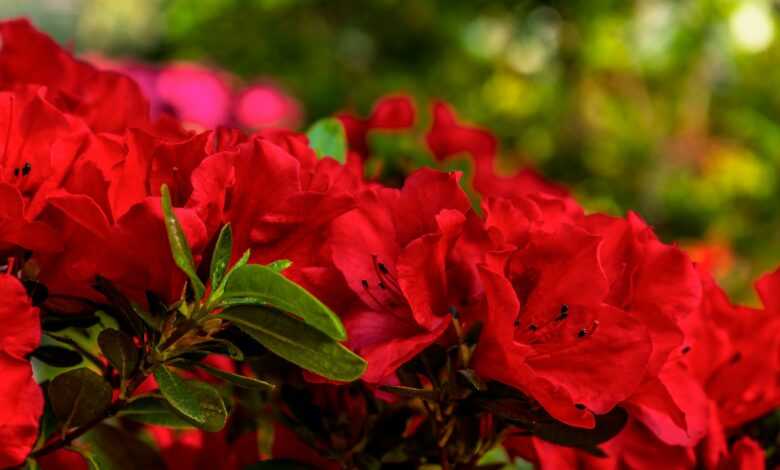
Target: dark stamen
[[382, 285], [582, 333], [517, 322], [579, 406], [364, 283], [736, 357], [533, 327], [16, 171], [26, 169], [454, 312], [382, 268], [564, 313], [686, 349]]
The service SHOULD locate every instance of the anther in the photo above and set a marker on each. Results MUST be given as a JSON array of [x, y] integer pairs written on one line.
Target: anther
[[382, 285], [382, 268], [736, 357], [686, 349], [517, 322], [564, 312], [454, 312], [364, 283], [579, 406], [16, 171], [533, 327], [26, 169], [582, 333]]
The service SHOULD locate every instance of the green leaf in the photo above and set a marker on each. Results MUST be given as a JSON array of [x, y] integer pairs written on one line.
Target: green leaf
[[235, 379], [216, 293], [279, 265], [79, 396], [222, 346], [120, 351], [153, 409], [297, 342], [221, 256], [110, 448], [57, 356], [328, 139], [195, 401], [180, 247], [260, 285]]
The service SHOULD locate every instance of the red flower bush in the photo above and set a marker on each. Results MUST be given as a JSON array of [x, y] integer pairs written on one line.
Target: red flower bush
[[222, 288]]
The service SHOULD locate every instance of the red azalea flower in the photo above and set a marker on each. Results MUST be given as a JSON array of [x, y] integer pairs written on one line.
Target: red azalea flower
[[449, 138], [22, 403], [107, 101], [734, 352], [389, 113], [660, 284], [556, 275], [395, 251], [550, 334], [284, 198]]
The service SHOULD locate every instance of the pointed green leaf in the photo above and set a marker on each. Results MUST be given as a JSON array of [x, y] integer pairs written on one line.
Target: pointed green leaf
[[279, 265], [216, 293], [221, 256], [153, 409], [195, 401], [328, 139], [79, 396], [180, 247], [297, 342], [120, 351], [235, 379], [260, 285]]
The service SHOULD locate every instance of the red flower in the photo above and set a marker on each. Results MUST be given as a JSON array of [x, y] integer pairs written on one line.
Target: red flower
[[550, 333], [389, 113], [22, 403], [284, 199], [396, 253], [106, 101], [659, 283]]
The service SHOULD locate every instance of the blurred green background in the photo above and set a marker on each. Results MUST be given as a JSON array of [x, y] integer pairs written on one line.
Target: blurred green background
[[669, 108]]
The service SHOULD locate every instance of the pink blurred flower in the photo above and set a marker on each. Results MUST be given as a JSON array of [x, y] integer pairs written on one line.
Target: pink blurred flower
[[266, 105], [205, 98]]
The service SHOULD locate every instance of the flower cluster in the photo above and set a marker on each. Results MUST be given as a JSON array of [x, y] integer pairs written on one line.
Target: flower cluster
[[490, 310]]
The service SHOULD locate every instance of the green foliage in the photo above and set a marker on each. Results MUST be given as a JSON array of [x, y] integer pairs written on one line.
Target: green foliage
[[221, 256], [236, 379], [263, 285], [196, 402], [328, 139], [153, 409], [120, 351], [180, 247], [79, 396], [297, 342]]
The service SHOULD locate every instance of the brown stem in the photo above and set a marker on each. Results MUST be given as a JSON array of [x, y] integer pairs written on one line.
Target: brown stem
[[78, 432]]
